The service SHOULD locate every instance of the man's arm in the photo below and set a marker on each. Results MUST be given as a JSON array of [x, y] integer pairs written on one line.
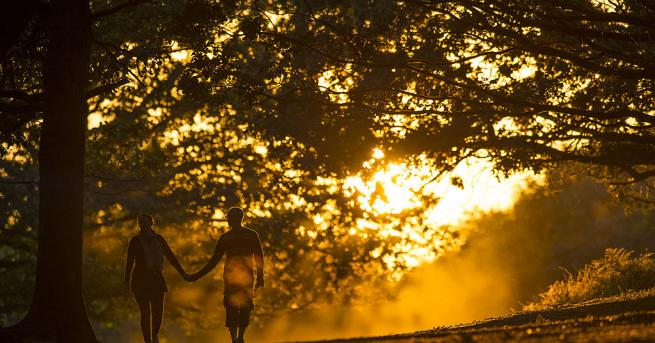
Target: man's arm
[[259, 263], [213, 262], [129, 263], [171, 257]]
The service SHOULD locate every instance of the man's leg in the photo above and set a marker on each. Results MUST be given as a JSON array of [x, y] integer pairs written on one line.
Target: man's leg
[[231, 318], [157, 315], [144, 308], [244, 318]]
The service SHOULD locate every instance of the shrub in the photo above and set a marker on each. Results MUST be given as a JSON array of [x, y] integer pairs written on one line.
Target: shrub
[[616, 273]]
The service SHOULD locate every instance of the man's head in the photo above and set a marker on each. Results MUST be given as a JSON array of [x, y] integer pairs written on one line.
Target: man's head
[[145, 221], [234, 216]]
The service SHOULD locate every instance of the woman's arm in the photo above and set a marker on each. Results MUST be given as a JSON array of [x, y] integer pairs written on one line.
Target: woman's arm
[[171, 257], [129, 264]]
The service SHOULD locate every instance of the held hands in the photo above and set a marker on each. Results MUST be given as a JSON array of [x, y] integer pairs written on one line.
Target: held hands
[[191, 277]]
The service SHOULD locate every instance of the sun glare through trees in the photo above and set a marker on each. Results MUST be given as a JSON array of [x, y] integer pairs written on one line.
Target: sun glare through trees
[[411, 200]]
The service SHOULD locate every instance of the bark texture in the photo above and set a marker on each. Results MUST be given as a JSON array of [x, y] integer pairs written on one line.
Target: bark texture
[[58, 311]]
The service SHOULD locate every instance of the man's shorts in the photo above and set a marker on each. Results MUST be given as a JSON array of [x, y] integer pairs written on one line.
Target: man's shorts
[[237, 310]]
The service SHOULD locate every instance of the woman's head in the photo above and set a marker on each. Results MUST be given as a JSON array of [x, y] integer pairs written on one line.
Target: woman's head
[[145, 221]]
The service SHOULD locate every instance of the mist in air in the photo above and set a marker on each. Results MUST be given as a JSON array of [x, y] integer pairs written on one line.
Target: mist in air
[[509, 257]]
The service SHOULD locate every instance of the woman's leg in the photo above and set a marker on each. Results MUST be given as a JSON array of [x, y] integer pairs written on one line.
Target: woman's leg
[[144, 307], [242, 331], [157, 315], [233, 333]]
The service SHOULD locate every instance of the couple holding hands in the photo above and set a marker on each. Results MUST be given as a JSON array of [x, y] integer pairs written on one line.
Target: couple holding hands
[[145, 265]]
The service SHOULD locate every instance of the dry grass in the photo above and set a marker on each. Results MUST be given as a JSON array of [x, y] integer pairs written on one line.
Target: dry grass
[[619, 272]]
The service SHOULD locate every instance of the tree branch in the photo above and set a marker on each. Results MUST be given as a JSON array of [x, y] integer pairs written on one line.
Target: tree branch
[[17, 182], [99, 90], [20, 95], [109, 11]]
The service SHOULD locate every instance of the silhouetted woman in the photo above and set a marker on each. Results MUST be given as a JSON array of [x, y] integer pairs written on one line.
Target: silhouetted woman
[[145, 263]]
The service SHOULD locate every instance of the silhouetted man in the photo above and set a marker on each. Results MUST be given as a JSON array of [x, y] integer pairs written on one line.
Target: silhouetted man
[[242, 247]]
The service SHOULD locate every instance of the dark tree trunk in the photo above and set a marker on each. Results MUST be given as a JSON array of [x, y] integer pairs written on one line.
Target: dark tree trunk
[[58, 310]]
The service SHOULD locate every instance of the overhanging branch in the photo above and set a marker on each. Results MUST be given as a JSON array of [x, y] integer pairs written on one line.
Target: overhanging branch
[[105, 88], [118, 8]]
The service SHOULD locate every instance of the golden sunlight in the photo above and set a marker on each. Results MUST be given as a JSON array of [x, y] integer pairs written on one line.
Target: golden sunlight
[[430, 207], [472, 187]]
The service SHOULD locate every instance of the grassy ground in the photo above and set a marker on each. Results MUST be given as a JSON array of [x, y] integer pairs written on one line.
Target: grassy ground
[[621, 319]]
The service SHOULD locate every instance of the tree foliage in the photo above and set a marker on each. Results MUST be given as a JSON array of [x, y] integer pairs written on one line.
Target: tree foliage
[[196, 106], [525, 84], [167, 139]]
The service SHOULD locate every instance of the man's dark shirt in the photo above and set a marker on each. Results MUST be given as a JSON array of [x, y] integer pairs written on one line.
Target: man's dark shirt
[[241, 247]]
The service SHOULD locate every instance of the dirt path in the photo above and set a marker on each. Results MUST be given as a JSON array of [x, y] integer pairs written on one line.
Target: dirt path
[[630, 320]]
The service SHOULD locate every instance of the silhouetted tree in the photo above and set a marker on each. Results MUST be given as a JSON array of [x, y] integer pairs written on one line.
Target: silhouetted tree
[[58, 309], [46, 52], [319, 84]]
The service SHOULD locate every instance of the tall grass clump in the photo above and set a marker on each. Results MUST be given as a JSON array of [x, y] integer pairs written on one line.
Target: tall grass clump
[[616, 273]]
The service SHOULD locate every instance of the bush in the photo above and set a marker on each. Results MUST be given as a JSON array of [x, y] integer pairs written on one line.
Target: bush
[[617, 273]]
